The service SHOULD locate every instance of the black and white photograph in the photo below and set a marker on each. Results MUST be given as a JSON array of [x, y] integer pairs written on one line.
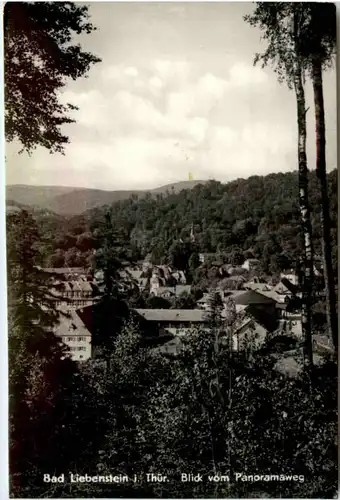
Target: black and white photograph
[[171, 220]]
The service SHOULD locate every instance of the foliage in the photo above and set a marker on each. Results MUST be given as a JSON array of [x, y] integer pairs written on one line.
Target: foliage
[[41, 53], [269, 202], [43, 383], [210, 413]]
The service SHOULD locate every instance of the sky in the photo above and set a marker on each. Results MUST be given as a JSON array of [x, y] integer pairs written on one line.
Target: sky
[[176, 93]]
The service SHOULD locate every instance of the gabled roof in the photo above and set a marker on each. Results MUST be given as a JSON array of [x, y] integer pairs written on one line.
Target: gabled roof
[[70, 324], [258, 286], [250, 297], [256, 327], [285, 286], [134, 273], [171, 347], [173, 315]]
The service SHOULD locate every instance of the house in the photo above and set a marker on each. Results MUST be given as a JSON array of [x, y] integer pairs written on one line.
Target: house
[[74, 334], [172, 325], [179, 276], [251, 264], [155, 282], [163, 291], [249, 334], [257, 287], [291, 276], [170, 347], [286, 289], [98, 276], [203, 302], [135, 274], [173, 321], [170, 291], [253, 298], [204, 257], [163, 271], [143, 284], [147, 264], [74, 294]]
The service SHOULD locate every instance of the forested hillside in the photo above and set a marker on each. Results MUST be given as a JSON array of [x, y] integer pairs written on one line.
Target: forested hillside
[[74, 201], [256, 217]]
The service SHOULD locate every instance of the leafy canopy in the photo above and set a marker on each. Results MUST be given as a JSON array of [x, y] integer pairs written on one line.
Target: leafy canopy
[[40, 55], [294, 32]]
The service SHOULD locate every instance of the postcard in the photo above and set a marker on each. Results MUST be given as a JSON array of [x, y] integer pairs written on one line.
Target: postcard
[[171, 236]]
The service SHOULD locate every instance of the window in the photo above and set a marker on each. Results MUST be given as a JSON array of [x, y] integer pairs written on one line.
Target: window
[[81, 357], [81, 348], [73, 348], [82, 339], [71, 339]]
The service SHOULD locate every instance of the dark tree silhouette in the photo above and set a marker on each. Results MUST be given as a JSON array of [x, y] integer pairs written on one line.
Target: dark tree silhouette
[[40, 55], [282, 25]]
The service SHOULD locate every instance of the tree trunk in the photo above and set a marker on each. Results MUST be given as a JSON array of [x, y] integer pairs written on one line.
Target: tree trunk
[[324, 214], [307, 284]]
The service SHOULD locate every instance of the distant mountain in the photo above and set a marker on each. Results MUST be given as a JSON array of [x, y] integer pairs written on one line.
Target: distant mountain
[[74, 201]]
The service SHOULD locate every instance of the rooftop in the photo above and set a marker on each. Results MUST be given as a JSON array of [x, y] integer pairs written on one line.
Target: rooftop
[[173, 315], [251, 297], [64, 270], [70, 324]]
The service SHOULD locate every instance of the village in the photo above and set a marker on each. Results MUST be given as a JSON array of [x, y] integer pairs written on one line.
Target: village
[[262, 310]]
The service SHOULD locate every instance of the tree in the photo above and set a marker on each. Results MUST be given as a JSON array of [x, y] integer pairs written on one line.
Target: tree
[[179, 254], [215, 307], [107, 259], [30, 304], [40, 55], [282, 25], [194, 261], [319, 50], [72, 257], [184, 301], [40, 373], [155, 302], [57, 259]]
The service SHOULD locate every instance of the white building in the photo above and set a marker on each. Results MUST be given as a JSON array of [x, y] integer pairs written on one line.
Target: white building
[[74, 334], [74, 294], [251, 264]]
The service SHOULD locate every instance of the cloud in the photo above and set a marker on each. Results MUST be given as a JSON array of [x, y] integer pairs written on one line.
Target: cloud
[[148, 125], [155, 81], [131, 71], [242, 74], [171, 72]]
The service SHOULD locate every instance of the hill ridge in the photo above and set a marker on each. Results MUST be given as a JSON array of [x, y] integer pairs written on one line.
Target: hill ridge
[[67, 200]]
